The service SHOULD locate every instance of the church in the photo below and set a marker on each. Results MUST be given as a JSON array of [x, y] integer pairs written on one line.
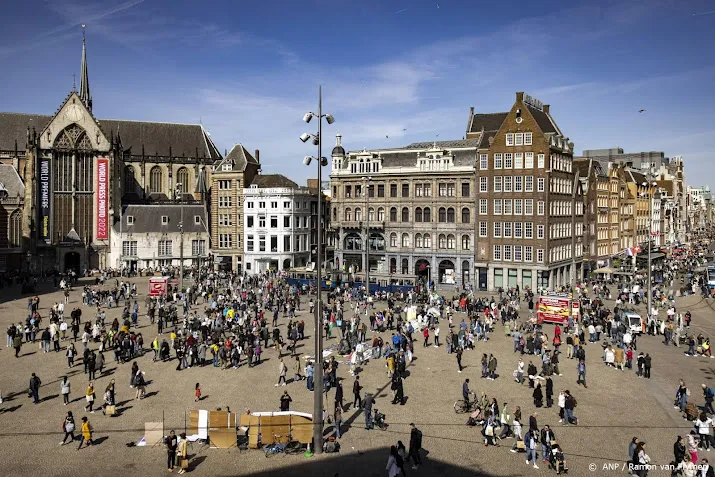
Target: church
[[80, 172]]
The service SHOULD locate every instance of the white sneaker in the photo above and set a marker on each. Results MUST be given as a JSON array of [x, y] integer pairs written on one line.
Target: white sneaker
[[275, 385], [512, 450], [459, 371], [527, 462], [536, 466]]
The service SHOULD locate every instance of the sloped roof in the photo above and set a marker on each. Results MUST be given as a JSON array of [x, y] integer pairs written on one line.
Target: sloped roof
[[458, 143], [489, 121], [147, 218], [11, 181], [544, 121], [156, 137], [239, 157], [582, 166], [273, 180]]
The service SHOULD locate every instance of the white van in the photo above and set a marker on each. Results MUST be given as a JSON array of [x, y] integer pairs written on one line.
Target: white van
[[634, 323]]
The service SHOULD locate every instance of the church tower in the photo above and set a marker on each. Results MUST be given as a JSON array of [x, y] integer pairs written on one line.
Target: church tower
[[84, 93]]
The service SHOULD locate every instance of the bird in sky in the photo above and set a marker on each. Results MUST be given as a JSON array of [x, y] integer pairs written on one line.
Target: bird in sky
[[641, 110], [386, 136]]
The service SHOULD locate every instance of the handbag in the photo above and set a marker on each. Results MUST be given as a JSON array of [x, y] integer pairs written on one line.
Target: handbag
[[183, 462]]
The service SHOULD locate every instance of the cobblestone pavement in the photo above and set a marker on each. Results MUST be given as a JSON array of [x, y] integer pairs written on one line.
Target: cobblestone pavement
[[615, 407]]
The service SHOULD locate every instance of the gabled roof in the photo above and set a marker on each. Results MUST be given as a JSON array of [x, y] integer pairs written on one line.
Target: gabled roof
[[147, 218], [490, 122], [583, 166], [545, 121], [11, 181], [273, 180], [238, 157]]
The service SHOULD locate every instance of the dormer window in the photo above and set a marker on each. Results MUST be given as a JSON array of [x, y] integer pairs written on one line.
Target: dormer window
[[130, 220], [197, 220], [164, 220], [227, 167]]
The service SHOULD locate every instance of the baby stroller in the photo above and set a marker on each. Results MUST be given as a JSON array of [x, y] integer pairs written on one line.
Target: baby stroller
[[378, 420], [557, 460], [476, 418]]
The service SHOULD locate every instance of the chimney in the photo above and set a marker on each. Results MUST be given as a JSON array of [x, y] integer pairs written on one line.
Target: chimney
[[546, 108], [257, 157], [519, 96], [471, 110]]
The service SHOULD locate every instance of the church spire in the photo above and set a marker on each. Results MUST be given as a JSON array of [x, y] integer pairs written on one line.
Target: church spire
[[84, 93]]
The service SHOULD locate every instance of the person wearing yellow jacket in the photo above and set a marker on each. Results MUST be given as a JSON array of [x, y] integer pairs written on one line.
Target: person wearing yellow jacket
[[86, 433], [181, 452]]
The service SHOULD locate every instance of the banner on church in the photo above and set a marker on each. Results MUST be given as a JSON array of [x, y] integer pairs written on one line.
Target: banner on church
[[44, 199], [102, 197]]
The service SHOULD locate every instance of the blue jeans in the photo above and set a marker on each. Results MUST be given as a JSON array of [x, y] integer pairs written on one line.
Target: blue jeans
[[531, 455], [368, 419], [568, 416], [337, 428], [309, 383], [545, 450]]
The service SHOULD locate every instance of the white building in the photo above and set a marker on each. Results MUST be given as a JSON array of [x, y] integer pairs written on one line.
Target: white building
[[150, 236], [278, 216]]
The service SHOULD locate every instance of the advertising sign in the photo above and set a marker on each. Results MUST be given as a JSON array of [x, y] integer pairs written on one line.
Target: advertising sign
[[157, 286], [552, 309], [102, 198], [44, 200]]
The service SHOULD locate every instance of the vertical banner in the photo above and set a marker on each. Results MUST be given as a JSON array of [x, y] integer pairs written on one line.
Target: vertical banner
[[44, 200], [102, 195]]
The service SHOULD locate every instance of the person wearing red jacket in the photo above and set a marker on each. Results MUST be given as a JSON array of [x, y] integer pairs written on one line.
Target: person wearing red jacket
[[425, 333]]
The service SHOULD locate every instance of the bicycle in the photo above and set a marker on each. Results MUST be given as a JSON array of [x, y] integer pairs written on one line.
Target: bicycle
[[289, 448], [461, 407]]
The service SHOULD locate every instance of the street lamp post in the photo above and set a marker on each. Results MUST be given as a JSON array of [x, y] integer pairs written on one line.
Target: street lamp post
[[368, 181], [650, 234], [318, 371], [181, 241]]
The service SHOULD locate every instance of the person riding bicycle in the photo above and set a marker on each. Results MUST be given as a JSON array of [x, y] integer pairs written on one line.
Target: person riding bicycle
[[465, 393]]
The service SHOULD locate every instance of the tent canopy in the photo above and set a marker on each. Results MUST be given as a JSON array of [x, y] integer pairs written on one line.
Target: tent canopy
[[605, 270]]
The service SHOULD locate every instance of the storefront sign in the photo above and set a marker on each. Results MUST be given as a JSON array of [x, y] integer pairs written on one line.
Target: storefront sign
[[102, 197], [44, 200]]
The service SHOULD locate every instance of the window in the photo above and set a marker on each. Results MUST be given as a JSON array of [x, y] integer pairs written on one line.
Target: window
[[540, 164], [428, 190], [465, 216], [348, 191], [371, 214], [497, 207], [466, 192], [405, 214], [518, 183], [129, 248], [370, 190], [418, 214], [527, 139], [540, 207], [224, 202], [518, 206], [286, 221], [466, 242], [286, 205], [539, 231], [393, 214], [261, 205], [483, 184], [507, 229], [442, 190], [483, 161], [540, 255], [225, 220], [380, 214], [274, 222], [427, 215], [419, 191], [286, 243], [528, 206], [529, 160], [197, 220], [518, 229], [198, 247], [518, 160], [508, 160], [130, 182], [249, 243], [450, 215], [405, 190], [528, 183], [528, 230], [510, 139], [451, 189], [182, 180], [540, 184], [507, 252], [442, 241], [250, 205], [405, 240], [418, 240], [451, 242], [262, 221], [225, 241], [507, 183], [497, 229], [358, 214], [381, 190], [497, 161], [519, 139], [130, 220], [164, 219], [156, 180], [165, 248], [442, 215], [393, 239], [393, 190], [261, 243], [528, 253], [274, 243], [507, 206], [517, 253], [497, 252], [482, 229], [427, 240]]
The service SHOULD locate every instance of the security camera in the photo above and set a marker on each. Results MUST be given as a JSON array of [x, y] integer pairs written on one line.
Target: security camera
[[307, 159], [329, 118], [308, 117], [304, 137]]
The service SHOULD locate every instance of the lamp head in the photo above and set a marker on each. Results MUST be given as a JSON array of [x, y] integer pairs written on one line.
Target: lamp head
[[323, 161], [307, 159], [316, 140], [329, 118], [307, 117], [304, 137]]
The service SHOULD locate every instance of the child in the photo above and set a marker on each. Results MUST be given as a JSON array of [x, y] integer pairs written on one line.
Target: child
[[198, 393]]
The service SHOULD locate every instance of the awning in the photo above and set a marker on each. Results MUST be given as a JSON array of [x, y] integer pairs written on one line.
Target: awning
[[605, 270]]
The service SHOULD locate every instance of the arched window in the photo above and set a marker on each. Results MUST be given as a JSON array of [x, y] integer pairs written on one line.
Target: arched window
[[427, 240], [182, 180], [348, 214], [358, 214], [405, 266], [130, 182], [14, 234], [405, 214], [381, 214], [371, 214], [405, 240], [451, 241], [335, 213], [393, 265], [418, 240], [465, 242], [427, 215], [393, 214], [450, 215], [465, 215], [353, 242], [156, 180], [442, 215], [418, 214], [442, 241], [393, 239]]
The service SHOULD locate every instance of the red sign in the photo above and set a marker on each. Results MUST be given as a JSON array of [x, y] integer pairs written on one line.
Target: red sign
[[102, 198], [552, 310], [157, 286]]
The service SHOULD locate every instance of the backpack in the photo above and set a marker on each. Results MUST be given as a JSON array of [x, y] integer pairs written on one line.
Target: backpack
[[709, 392]]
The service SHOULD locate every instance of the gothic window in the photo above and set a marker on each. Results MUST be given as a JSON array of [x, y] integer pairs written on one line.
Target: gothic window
[[156, 180], [427, 214], [465, 215], [393, 214], [450, 215], [15, 230], [182, 180], [129, 179]]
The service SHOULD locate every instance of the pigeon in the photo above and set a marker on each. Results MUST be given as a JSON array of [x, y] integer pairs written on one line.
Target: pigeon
[[641, 110], [386, 136]]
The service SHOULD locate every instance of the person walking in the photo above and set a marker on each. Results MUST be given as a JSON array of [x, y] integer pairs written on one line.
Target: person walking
[[71, 354], [367, 410], [581, 369], [197, 393], [65, 390], [647, 362], [425, 334], [172, 444], [68, 428], [35, 384], [86, 435], [282, 370], [530, 446], [339, 395], [338, 420], [459, 359], [285, 401], [356, 393], [415, 446]]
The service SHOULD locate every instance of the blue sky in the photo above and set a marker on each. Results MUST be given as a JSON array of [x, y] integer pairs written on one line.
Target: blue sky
[[393, 72]]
